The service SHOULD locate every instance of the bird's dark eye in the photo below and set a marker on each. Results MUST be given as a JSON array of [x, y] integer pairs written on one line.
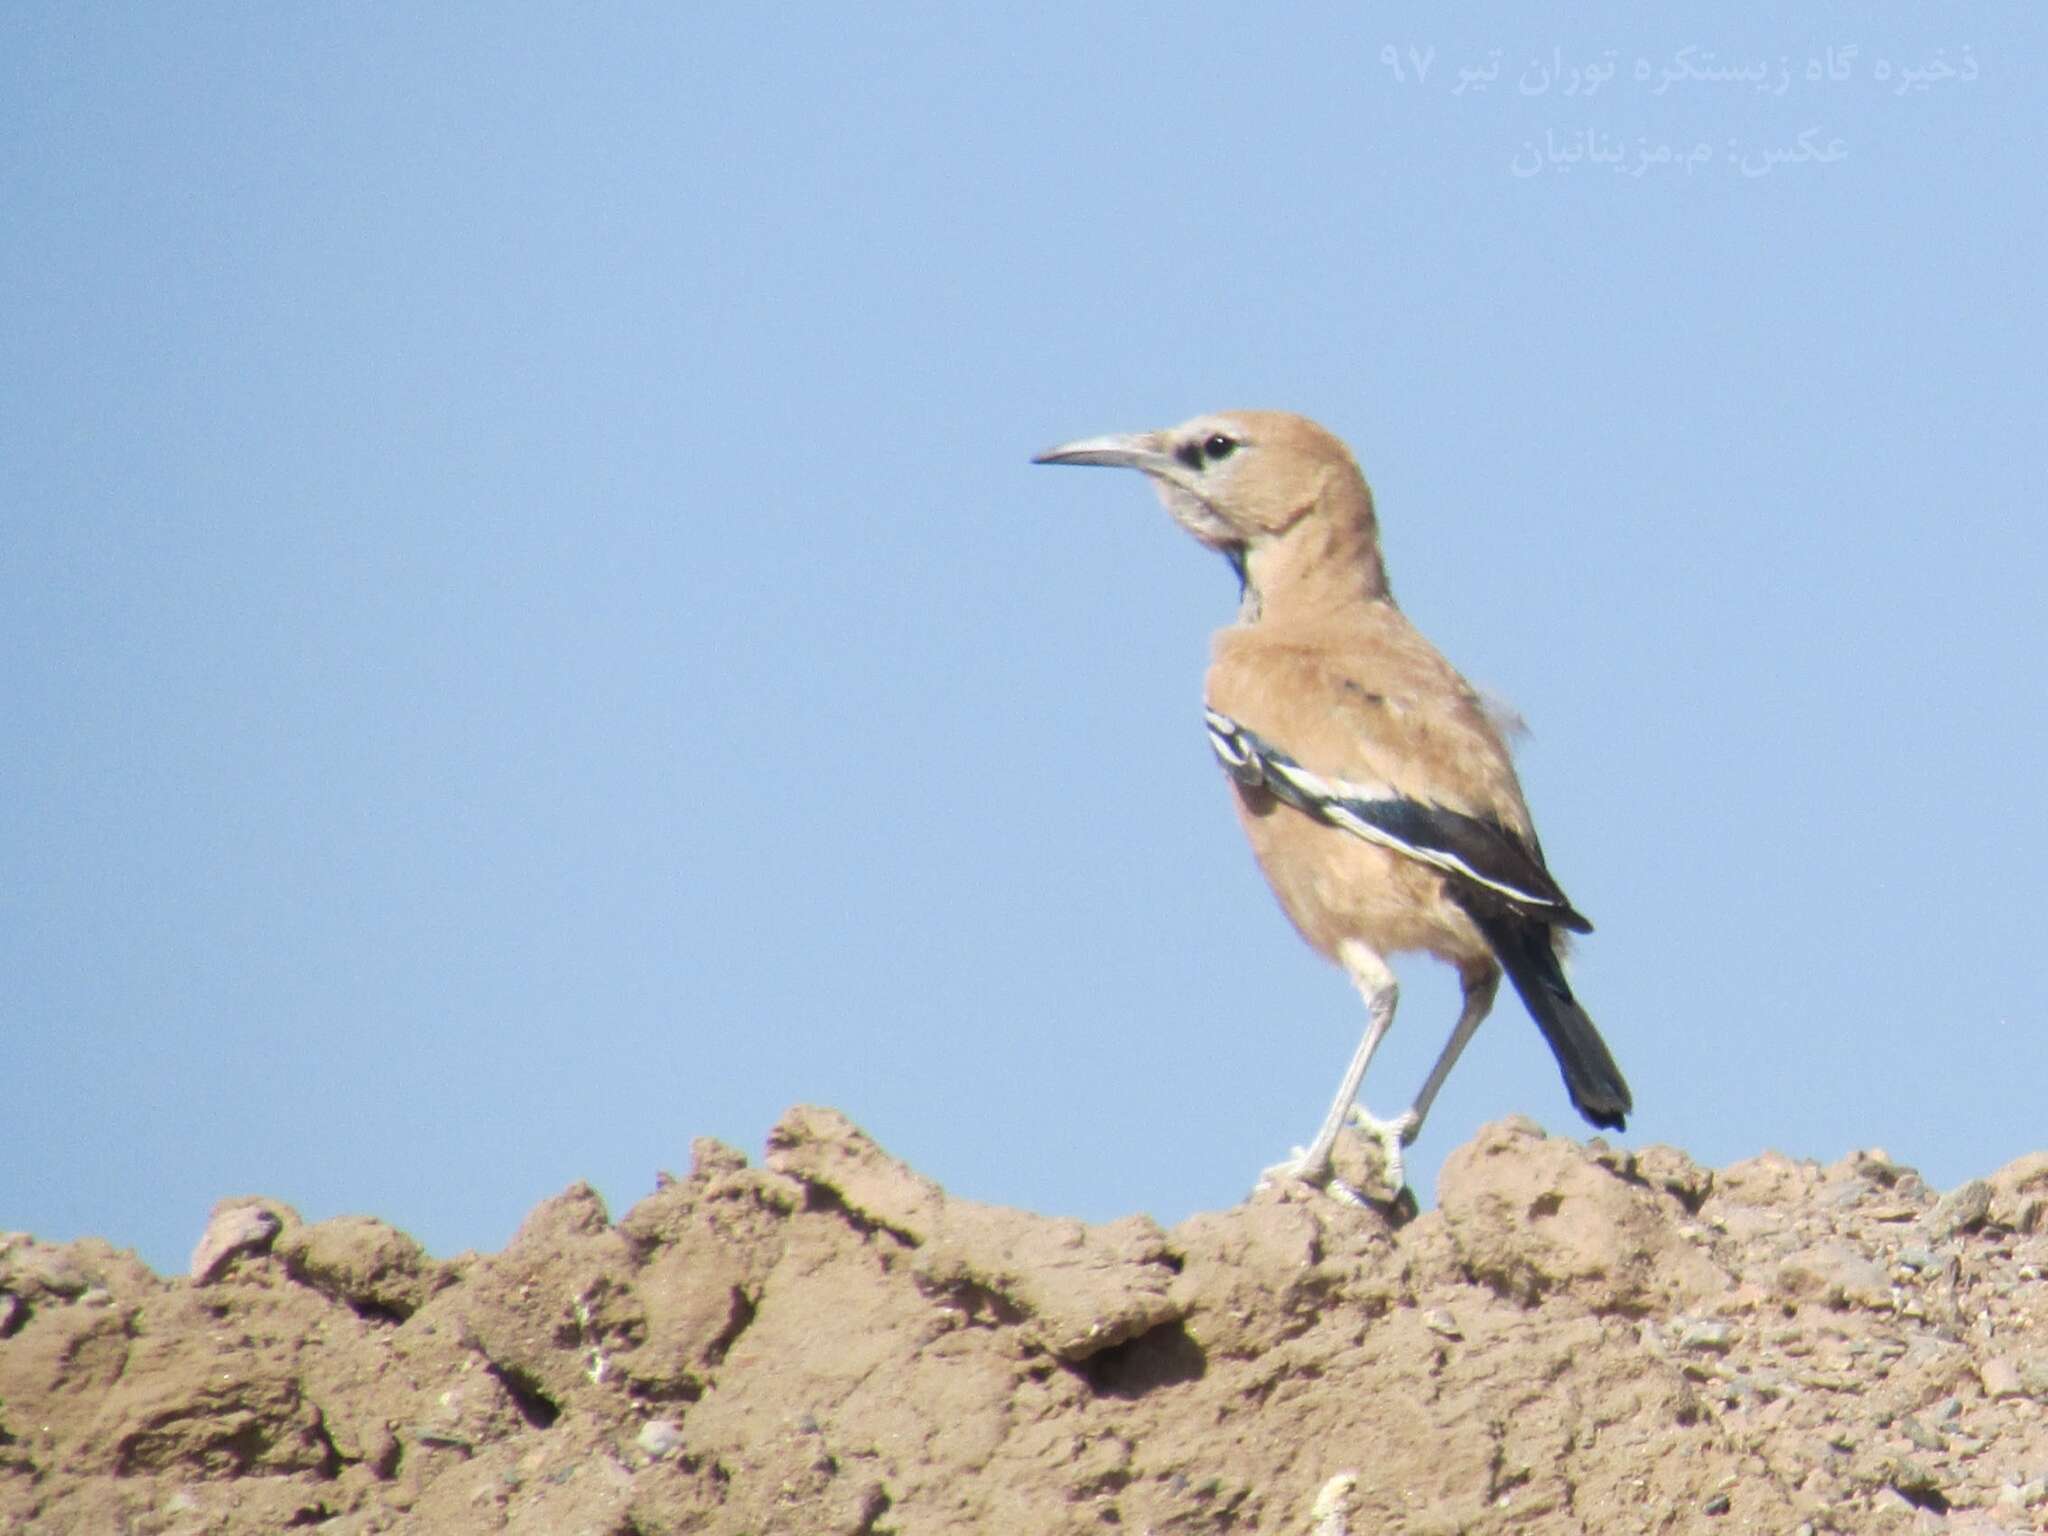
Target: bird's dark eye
[[1218, 447]]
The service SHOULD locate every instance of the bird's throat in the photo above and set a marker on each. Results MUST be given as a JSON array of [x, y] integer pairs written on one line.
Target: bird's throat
[[1247, 594]]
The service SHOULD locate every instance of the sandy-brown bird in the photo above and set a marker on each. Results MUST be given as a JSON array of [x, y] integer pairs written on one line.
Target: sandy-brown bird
[[1378, 794]]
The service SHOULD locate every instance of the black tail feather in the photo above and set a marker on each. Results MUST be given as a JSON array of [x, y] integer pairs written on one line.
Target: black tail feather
[[1525, 950]]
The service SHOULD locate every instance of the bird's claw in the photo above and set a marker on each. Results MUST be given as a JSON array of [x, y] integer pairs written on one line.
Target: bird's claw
[[1391, 1136], [1323, 1177]]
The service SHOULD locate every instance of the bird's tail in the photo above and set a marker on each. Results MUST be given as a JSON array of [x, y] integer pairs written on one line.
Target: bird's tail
[[1526, 952]]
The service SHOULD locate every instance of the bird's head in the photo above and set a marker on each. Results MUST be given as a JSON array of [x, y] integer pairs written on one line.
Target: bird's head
[[1273, 492]]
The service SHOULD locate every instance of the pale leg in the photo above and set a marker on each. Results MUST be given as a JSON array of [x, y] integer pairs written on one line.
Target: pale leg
[[1480, 985], [1376, 982]]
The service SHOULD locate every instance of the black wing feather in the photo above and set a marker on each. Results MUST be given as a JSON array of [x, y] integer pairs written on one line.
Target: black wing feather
[[1492, 868]]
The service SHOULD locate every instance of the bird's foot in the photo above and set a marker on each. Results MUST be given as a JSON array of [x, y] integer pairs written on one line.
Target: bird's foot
[[1392, 1137], [1298, 1169]]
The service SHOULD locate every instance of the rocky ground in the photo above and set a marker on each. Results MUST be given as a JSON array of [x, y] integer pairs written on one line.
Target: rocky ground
[[1576, 1340]]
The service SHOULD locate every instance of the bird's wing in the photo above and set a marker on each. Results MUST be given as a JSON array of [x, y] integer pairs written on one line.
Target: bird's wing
[[1486, 858]]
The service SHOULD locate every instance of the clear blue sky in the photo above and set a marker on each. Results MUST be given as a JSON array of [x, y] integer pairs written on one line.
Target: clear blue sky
[[530, 634]]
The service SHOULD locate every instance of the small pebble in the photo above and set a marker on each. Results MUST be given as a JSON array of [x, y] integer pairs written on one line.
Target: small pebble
[[1332, 1508], [659, 1437], [1920, 1434], [1912, 1478], [2001, 1378], [1837, 1274], [233, 1230], [1707, 1334], [1960, 1210]]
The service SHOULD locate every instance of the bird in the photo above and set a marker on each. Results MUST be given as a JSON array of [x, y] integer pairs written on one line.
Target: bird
[[1373, 781]]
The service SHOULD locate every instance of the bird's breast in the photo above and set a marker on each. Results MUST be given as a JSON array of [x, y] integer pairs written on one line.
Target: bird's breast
[[1335, 887]]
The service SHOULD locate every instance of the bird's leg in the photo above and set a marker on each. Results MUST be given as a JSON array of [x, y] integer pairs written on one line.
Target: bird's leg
[[1312, 1166], [1480, 984]]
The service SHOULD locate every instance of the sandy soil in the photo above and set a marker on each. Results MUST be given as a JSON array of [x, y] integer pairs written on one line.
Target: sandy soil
[[1576, 1340]]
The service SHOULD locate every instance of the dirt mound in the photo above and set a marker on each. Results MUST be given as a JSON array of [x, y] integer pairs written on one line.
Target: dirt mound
[[1576, 1340]]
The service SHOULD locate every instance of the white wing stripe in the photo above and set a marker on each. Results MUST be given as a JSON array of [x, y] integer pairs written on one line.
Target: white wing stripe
[[1339, 802]]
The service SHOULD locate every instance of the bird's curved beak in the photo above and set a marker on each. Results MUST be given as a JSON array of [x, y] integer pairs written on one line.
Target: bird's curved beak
[[1118, 450]]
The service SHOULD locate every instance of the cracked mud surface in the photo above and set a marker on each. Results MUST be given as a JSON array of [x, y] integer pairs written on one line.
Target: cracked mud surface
[[1576, 1340]]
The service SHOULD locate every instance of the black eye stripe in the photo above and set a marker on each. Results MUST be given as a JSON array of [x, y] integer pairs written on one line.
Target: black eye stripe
[[1214, 448]]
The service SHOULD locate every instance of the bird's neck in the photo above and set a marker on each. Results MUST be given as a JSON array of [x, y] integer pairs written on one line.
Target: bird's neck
[[1317, 567]]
